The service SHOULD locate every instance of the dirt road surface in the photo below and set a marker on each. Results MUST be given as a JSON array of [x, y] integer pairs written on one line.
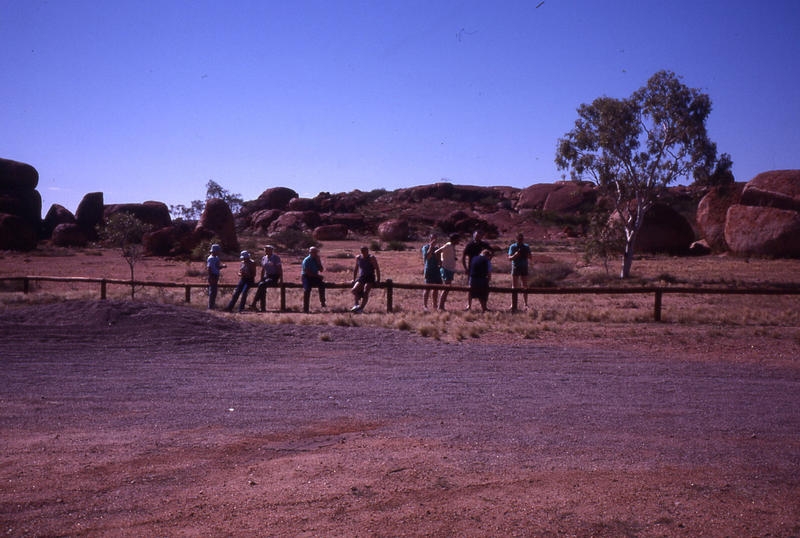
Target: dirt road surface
[[135, 419]]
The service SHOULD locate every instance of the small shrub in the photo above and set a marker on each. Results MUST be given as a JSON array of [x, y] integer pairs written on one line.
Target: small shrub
[[403, 325], [375, 246], [396, 245], [429, 330], [325, 337], [292, 239]]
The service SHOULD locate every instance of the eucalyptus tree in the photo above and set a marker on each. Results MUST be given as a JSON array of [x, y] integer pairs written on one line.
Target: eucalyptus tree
[[633, 148]]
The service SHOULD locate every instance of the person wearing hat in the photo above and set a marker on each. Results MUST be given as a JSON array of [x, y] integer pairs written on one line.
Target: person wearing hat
[[271, 276], [247, 278], [312, 267], [214, 267]]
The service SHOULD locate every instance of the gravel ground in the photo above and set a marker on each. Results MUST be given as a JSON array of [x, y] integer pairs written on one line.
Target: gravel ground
[[139, 419]]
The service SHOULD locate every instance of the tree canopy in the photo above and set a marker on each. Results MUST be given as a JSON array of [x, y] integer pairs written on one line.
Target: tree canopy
[[633, 148]]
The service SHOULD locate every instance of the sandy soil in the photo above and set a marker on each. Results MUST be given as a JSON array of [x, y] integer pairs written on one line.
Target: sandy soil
[[139, 419]]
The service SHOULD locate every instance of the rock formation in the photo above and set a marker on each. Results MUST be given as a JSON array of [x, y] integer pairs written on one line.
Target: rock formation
[[20, 206], [217, 221], [766, 221]]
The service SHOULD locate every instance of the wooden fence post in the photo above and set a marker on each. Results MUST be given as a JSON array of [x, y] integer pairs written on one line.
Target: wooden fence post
[[657, 308], [283, 297], [103, 289], [389, 295], [26, 285], [514, 301], [188, 298]]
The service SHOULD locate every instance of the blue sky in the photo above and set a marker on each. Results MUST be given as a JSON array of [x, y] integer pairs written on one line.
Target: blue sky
[[148, 100]]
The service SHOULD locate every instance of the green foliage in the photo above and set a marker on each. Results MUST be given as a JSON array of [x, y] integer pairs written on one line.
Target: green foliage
[[203, 249], [375, 246], [125, 232], [633, 148], [196, 207], [396, 245], [605, 238], [291, 239], [719, 176]]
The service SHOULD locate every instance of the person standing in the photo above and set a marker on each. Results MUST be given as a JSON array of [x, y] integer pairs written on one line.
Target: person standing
[[471, 250], [480, 273], [312, 277], [365, 274], [447, 253], [271, 276], [247, 279], [214, 266], [520, 255], [432, 273]]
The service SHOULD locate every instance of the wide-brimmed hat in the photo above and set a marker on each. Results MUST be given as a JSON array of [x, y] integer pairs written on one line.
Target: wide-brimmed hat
[[244, 255], [215, 248]]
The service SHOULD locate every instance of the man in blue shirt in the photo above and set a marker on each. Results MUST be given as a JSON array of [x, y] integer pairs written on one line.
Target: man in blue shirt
[[214, 266], [520, 254], [312, 267]]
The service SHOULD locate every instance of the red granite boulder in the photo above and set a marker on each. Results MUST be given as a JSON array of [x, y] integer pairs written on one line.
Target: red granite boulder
[[57, 214], [763, 231], [217, 221], [70, 234], [393, 230], [330, 232], [664, 230], [712, 211], [156, 214]]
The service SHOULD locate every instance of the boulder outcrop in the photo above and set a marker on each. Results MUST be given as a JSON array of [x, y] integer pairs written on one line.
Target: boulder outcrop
[[766, 222], [712, 212], [69, 234], [393, 230], [21, 205], [330, 232], [664, 230], [763, 231], [779, 189], [57, 214], [217, 220], [156, 214], [90, 213]]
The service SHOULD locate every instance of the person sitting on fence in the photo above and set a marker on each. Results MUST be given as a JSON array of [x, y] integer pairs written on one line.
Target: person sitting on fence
[[447, 253], [271, 277], [432, 272], [312, 267], [365, 274], [520, 254], [480, 273], [247, 279], [214, 267]]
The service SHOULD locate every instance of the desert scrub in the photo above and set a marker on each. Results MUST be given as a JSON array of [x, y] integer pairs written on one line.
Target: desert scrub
[[429, 331]]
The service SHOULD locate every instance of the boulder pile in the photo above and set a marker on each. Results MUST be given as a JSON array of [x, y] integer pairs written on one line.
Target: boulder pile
[[766, 219], [20, 206]]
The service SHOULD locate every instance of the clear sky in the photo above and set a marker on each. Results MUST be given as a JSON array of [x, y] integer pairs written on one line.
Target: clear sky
[[149, 99]]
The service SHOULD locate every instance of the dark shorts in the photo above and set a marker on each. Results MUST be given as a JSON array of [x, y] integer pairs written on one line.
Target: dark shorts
[[433, 276], [447, 274], [366, 279], [519, 270]]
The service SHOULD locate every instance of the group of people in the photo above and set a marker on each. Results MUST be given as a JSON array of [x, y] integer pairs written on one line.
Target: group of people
[[440, 267], [365, 274], [441, 263]]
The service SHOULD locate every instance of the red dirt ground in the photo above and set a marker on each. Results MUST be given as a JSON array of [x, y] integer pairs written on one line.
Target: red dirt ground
[[138, 419]]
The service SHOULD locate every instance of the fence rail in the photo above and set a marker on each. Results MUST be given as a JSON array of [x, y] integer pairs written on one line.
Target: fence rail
[[657, 291]]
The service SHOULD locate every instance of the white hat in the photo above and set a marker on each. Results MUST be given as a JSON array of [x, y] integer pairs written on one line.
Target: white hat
[[244, 255]]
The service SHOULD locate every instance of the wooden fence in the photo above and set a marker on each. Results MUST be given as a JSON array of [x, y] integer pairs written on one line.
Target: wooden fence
[[657, 291]]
